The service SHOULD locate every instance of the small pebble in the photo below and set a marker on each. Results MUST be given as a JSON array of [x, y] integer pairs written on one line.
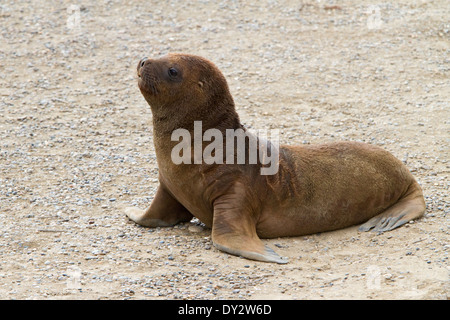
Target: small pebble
[[195, 228]]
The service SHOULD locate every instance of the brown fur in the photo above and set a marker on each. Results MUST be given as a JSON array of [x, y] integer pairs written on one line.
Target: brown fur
[[317, 188]]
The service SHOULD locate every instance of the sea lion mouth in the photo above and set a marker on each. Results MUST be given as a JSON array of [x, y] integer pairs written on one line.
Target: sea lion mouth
[[146, 79], [147, 83]]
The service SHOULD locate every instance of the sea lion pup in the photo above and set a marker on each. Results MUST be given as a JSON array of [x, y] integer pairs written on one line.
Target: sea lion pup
[[316, 187]]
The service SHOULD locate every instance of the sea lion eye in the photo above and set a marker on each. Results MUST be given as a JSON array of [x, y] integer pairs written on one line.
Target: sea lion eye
[[173, 72]]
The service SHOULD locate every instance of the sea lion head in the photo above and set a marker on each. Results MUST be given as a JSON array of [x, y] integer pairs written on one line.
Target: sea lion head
[[182, 87]]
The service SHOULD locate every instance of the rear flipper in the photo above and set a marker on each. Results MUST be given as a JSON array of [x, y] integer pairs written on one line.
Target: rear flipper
[[410, 207]]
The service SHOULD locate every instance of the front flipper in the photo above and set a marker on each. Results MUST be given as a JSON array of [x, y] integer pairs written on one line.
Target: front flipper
[[164, 211], [234, 230]]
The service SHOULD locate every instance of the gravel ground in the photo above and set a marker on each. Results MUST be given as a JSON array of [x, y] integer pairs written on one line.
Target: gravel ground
[[76, 143]]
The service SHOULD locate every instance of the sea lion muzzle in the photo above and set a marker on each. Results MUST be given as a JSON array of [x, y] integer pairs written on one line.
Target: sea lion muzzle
[[141, 64]]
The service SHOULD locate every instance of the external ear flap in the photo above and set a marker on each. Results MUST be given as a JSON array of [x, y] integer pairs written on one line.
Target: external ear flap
[[200, 84]]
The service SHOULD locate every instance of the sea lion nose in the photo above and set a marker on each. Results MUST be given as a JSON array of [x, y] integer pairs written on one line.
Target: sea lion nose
[[141, 64]]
